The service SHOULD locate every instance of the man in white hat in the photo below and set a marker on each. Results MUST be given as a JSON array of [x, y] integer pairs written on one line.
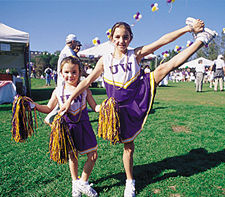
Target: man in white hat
[[68, 50], [77, 48]]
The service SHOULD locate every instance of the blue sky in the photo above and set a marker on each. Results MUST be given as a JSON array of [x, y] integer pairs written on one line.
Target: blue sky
[[49, 21]]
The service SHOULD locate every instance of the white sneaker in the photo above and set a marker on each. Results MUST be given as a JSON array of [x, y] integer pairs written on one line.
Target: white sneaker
[[75, 191], [86, 189], [129, 189], [206, 36], [190, 21]]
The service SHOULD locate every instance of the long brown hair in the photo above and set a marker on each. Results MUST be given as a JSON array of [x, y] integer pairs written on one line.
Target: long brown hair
[[118, 24]]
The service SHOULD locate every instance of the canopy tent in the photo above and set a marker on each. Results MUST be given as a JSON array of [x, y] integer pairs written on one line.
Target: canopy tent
[[101, 49], [8, 34], [97, 50], [194, 63], [14, 52]]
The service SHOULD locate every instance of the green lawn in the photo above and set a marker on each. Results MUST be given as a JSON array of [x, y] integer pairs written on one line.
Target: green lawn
[[180, 151]]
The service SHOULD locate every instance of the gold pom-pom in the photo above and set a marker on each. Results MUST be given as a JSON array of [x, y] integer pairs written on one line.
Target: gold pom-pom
[[109, 123], [22, 120], [61, 143]]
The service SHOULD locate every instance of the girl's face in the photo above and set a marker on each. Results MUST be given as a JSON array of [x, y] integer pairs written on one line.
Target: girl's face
[[70, 73], [121, 38]]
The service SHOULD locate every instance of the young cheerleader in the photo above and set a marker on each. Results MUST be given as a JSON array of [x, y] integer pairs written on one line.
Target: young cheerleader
[[78, 123], [134, 90]]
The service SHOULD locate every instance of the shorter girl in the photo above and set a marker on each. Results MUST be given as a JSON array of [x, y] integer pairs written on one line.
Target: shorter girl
[[78, 123]]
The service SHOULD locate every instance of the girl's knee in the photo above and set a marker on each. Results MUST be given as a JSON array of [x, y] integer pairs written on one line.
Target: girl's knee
[[73, 158], [92, 156], [129, 148]]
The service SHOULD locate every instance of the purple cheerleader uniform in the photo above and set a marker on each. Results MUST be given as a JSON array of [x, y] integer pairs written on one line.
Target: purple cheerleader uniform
[[133, 90], [78, 122]]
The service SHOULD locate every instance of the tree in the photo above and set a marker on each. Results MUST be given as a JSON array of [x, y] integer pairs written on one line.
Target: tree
[[53, 61], [45, 60]]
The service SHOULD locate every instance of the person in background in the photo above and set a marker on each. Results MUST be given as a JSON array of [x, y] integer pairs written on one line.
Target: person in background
[[34, 72], [219, 72], [68, 50], [77, 48], [7, 71], [48, 72], [89, 69], [55, 76], [200, 71]]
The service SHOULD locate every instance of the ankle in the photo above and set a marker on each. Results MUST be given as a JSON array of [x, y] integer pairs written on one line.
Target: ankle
[[84, 182], [130, 181]]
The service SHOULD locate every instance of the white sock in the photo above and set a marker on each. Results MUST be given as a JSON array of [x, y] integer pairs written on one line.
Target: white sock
[[130, 181], [74, 181], [84, 182]]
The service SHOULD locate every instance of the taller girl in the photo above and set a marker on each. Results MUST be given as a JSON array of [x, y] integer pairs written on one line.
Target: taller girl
[[133, 90]]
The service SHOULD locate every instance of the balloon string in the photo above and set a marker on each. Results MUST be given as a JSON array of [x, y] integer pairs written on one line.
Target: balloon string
[[170, 8]]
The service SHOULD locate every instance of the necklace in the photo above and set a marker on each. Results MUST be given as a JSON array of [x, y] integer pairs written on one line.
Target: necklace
[[80, 112], [125, 76]]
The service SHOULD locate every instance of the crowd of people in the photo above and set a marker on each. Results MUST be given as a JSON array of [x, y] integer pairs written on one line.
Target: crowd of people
[[213, 75]]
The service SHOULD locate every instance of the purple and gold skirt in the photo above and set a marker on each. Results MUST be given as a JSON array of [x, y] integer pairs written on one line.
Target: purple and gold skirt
[[82, 133], [135, 103]]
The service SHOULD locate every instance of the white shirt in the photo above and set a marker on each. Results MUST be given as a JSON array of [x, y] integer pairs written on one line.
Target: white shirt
[[119, 76], [219, 63], [200, 68], [76, 105], [89, 70], [47, 69], [66, 52]]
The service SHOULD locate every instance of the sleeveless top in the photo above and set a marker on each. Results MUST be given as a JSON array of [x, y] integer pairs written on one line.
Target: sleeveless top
[[81, 131], [77, 105], [133, 90]]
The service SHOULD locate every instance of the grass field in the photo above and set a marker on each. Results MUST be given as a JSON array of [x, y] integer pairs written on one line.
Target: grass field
[[179, 153]]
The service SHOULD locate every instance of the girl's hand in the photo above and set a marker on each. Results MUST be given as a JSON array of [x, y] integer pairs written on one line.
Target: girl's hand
[[32, 105], [198, 26], [64, 107], [97, 108]]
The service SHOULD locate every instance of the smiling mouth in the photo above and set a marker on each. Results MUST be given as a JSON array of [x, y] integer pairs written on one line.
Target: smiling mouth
[[122, 46]]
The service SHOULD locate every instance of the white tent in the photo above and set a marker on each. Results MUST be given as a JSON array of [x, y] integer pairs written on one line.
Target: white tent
[[194, 63], [8, 34], [14, 51], [101, 49], [98, 50]]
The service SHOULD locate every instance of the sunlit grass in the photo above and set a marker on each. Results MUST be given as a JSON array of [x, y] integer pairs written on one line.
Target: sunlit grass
[[180, 151]]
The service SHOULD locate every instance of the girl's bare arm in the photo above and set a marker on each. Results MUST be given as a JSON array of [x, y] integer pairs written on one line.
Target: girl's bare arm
[[50, 106], [91, 101], [83, 85], [167, 38]]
